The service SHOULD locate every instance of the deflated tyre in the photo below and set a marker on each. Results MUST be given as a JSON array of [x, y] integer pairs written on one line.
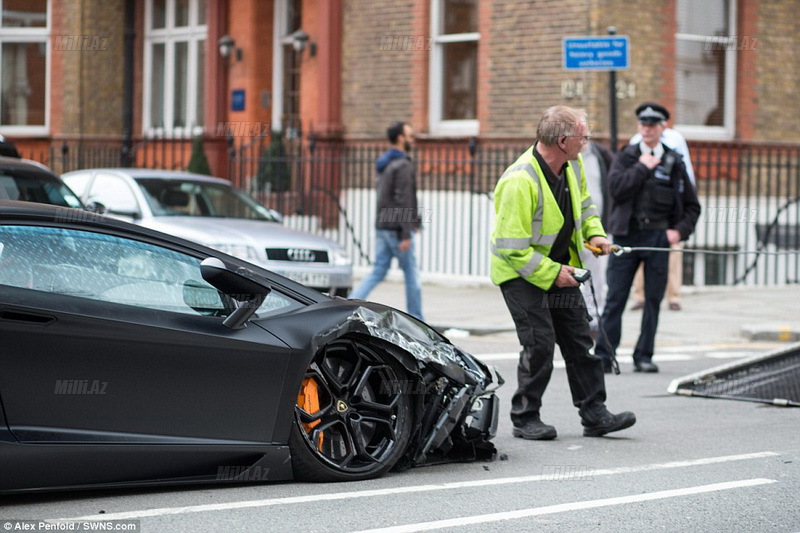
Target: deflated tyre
[[353, 416]]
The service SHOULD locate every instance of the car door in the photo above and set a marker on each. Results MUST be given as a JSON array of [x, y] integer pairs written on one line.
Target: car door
[[99, 346], [116, 194]]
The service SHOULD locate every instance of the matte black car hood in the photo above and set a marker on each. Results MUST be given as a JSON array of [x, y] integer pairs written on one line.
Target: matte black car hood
[[332, 318]]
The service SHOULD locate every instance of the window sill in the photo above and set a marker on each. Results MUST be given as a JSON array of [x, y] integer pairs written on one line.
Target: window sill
[[25, 131], [704, 133], [175, 133], [455, 128]]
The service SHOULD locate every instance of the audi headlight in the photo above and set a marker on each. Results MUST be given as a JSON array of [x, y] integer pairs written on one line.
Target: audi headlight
[[341, 258], [242, 251]]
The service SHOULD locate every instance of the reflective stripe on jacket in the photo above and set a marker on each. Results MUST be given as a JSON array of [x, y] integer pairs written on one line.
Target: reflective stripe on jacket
[[528, 219]]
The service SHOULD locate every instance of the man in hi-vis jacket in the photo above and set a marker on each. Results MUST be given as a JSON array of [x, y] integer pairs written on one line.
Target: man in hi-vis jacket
[[543, 213]]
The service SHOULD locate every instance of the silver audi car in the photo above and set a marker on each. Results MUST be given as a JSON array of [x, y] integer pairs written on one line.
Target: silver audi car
[[211, 212]]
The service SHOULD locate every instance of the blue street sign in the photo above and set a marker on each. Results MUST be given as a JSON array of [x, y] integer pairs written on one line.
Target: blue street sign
[[237, 100], [596, 53]]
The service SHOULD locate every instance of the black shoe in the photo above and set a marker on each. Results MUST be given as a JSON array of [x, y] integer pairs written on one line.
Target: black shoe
[[599, 421], [535, 430], [645, 366]]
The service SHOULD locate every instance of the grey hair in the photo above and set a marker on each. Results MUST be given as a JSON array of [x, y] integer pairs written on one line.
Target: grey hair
[[558, 121]]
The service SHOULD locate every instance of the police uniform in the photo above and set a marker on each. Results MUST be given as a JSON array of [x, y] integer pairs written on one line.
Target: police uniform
[[643, 205]]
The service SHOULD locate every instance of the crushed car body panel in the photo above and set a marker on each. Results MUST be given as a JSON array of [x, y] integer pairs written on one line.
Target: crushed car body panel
[[457, 409]]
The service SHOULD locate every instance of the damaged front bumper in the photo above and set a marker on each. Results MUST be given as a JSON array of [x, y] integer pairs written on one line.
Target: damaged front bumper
[[455, 402], [461, 423]]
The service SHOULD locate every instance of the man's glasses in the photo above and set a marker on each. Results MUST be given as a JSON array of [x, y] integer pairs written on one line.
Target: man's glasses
[[584, 138]]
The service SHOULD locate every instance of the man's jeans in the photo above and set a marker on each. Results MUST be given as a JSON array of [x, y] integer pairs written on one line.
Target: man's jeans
[[386, 248]]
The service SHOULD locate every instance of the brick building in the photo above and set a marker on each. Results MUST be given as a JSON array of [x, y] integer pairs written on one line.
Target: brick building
[[109, 82], [344, 68], [723, 67]]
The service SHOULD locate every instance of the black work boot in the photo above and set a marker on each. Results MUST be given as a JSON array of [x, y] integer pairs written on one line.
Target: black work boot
[[534, 430], [644, 365], [597, 421]]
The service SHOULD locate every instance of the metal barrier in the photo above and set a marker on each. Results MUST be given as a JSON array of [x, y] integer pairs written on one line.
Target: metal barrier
[[751, 202], [750, 194], [172, 153]]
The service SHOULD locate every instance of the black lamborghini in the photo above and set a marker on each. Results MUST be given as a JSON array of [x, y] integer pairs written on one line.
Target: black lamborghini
[[130, 357]]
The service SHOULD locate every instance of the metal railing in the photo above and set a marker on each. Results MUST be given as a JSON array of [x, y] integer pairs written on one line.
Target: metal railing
[[172, 153], [750, 194], [751, 199]]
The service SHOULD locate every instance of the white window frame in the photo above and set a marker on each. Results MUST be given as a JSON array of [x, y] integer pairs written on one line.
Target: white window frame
[[438, 125], [30, 35], [192, 34], [279, 38], [727, 131]]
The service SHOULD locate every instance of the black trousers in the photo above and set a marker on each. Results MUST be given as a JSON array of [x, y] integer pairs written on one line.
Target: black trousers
[[544, 318], [619, 277]]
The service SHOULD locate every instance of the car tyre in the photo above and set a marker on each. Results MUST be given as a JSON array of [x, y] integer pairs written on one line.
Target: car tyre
[[354, 417]]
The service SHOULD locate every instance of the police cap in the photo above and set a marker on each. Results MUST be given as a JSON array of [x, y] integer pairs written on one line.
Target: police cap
[[651, 113]]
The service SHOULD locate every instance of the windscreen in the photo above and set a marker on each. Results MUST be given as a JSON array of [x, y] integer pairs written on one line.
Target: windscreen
[[32, 186], [174, 197]]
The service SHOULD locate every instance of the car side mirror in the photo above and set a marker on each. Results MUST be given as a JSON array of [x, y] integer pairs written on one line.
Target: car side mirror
[[134, 215], [239, 285], [97, 208], [124, 209]]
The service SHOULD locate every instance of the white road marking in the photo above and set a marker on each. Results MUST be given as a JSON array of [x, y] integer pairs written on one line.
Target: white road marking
[[668, 354], [559, 363], [728, 355], [564, 507], [316, 498], [498, 356]]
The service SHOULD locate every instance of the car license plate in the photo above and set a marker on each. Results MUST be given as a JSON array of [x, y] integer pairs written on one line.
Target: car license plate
[[309, 279]]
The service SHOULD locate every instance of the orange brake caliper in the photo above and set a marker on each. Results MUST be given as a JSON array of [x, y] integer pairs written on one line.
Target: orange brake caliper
[[308, 400]]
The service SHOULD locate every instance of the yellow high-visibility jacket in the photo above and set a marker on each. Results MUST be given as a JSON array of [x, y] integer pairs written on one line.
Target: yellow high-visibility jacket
[[528, 219]]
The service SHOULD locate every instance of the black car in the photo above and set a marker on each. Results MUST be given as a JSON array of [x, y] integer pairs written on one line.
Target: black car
[[8, 148], [28, 181], [132, 357]]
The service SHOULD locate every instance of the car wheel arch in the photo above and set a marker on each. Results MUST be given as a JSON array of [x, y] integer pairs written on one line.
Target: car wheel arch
[[399, 367]]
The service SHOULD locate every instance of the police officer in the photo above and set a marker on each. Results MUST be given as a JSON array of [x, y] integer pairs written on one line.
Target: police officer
[[652, 204], [543, 214]]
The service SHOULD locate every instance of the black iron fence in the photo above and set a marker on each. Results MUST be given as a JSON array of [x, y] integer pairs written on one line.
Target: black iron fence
[[750, 194], [167, 152], [751, 205]]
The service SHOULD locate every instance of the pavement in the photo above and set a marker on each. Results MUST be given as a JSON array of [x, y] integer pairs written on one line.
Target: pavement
[[709, 314]]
